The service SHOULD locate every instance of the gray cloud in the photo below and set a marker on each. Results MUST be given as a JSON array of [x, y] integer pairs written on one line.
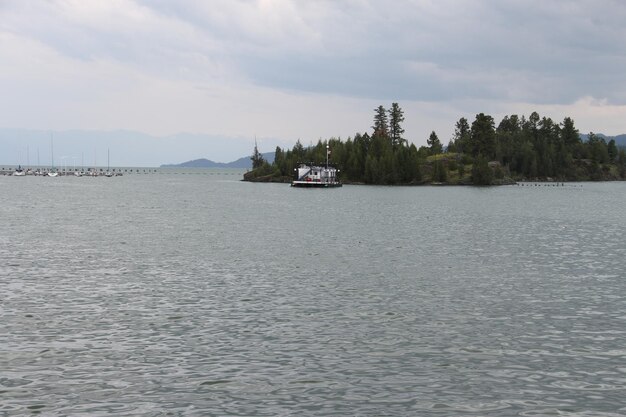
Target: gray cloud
[[544, 52], [526, 52]]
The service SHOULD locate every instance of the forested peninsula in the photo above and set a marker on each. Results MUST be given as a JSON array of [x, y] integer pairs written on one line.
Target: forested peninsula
[[532, 148]]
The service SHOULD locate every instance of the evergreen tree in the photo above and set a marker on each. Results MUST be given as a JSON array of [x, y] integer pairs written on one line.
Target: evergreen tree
[[569, 133], [298, 151], [451, 148], [462, 135], [257, 158], [612, 150], [434, 143], [483, 136], [396, 117], [381, 126], [597, 148], [279, 161]]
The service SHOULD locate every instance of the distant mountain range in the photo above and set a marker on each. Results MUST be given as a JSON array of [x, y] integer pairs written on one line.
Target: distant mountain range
[[242, 163]]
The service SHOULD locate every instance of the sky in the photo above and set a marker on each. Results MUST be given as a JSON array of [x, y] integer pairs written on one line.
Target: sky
[[205, 78]]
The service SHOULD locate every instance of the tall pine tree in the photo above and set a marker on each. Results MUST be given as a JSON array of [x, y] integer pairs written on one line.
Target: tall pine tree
[[396, 117], [381, 126]]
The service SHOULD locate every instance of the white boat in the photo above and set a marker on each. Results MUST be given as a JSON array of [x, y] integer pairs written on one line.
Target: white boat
[[53, 172], [19, 172], [309, 175], [108, 172], [315, 176]]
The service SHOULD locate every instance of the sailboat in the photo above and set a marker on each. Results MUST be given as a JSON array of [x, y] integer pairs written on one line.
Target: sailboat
[[19, 172], [78, 173], [53, 172], [108, 173]]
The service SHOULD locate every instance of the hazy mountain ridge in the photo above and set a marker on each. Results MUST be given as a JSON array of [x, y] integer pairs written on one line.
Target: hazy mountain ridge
[[620, 140], [243, 163]]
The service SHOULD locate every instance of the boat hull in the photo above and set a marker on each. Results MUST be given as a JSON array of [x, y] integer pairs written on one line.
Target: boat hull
[[311, 184]]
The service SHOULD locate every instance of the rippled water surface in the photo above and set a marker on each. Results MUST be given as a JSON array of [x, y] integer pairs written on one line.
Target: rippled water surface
[[198, 294]]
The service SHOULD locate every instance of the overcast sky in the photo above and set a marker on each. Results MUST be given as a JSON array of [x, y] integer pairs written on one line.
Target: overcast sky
[[286, 70]]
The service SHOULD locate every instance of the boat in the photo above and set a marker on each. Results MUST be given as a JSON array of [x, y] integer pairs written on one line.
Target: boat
[[52, 172], [108, 172], [309, 175], [19, 172]]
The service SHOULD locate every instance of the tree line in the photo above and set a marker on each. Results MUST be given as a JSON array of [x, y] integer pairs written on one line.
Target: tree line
[[481, 153]]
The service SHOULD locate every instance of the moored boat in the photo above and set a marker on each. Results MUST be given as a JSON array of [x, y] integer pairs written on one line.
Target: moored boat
[[19, 172], [310, 175], [315, 176]]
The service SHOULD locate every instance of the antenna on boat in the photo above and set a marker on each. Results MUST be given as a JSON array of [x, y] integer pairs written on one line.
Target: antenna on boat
[[327, 152]]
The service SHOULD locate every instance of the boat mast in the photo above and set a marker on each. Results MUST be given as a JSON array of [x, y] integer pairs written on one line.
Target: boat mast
[[51, 151]]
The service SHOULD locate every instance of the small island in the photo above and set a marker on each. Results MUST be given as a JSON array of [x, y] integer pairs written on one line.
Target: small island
[[522, 148]]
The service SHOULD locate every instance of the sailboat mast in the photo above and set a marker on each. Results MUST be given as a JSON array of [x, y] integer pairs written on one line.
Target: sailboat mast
[[51, 151]]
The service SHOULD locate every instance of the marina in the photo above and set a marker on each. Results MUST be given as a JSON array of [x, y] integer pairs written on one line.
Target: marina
[[88, 172], [10, 171]]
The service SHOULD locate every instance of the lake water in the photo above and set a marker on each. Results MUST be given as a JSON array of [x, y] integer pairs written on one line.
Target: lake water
[[197, 294]]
